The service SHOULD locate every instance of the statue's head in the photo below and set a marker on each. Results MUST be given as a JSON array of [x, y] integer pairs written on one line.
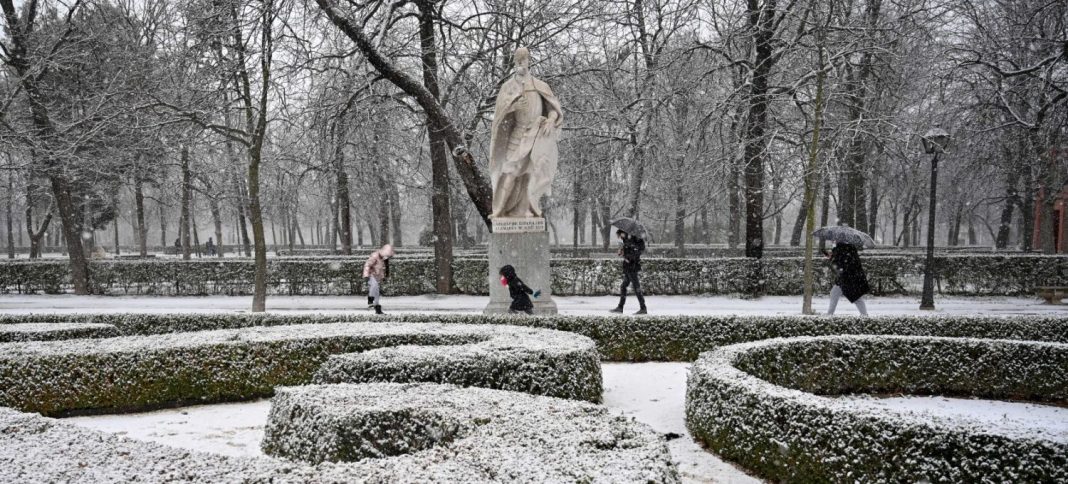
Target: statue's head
[[522, 61]]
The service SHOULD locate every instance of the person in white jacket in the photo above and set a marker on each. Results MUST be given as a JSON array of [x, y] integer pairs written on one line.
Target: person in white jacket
[[376, 270]]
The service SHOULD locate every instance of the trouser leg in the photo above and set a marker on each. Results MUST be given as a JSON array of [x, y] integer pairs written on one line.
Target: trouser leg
[[836, 293], [636, 281], [623, 289], [861, 306], [374, 291]]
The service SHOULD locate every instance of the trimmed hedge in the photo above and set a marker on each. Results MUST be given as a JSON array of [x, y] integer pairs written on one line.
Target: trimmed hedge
[[439, 433], [509, 437], [753, 403], [656, 338], [55, 331], [956, 275], [133, 372]]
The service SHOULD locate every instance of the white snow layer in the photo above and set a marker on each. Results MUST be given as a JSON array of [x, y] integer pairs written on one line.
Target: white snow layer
[[576, 305]]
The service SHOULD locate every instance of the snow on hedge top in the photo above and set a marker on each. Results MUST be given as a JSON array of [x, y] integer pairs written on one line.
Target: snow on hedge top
[[892, 353], [508, 437], [54, 331], [488, 336]]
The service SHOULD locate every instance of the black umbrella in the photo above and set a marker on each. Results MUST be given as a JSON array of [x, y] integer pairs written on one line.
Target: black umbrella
[[630, 226], [845, 235]]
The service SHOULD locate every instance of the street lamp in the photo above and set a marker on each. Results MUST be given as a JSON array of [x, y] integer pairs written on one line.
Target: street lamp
[[934, 143]]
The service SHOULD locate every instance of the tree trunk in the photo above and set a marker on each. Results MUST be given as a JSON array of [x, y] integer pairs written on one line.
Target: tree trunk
[[193, 223], [873, 208], [72, 234], [115, 228], [734, 217], [8, 210], [216, 220], [680, 209], [606, 222], [825, 206], [577, 211], [38, 236], [142, 229], [345, 209], [811, 179], [438, 154], [383, 213], [395, 214], [183, 230], [1028, 212], [762, 20], [242, 211], [799, 225]]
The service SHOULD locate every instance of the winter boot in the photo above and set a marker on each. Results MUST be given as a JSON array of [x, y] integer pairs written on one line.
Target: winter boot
[[378, 309], [619, 309], [641, 311], [370, 302]]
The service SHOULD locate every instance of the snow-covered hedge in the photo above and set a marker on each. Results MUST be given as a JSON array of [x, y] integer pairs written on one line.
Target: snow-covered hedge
[[656, 338], [57, 377], [757, 404], [428, 429], [956, 274], [55, 331], [519, 361], [501, 437]]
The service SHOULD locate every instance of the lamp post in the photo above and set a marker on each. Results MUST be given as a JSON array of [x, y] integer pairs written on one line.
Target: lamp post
[[934, 143]]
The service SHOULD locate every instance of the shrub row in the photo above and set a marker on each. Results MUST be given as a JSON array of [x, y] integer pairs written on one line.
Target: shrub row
[[501, 437], [955, 275], [55, 331], [753, 403], [57, 377], [658, 338], [434, 432]]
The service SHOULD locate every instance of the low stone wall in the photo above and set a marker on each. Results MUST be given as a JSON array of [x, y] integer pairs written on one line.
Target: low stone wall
[[759, 404]]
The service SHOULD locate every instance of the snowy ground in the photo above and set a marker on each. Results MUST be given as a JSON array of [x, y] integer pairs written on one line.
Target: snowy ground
[[1003, 418], [584, 305], [653, 393]]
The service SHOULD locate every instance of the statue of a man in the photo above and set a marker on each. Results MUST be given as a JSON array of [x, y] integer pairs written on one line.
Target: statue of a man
[[523, 154]]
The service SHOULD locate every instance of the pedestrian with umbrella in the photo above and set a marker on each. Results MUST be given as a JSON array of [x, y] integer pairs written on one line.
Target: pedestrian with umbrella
[[632, 234], [850, 280]]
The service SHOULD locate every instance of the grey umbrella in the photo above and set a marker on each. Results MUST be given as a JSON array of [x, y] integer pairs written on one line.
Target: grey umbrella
[[630, 226], [845, 235]]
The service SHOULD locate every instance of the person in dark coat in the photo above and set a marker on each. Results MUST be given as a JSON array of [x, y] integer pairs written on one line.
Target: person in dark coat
[[209, 247], [519, 291], [851, 281], [632, 250]]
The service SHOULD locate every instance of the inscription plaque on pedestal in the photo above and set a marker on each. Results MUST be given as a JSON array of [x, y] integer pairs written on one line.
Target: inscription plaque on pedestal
[[518, 225]]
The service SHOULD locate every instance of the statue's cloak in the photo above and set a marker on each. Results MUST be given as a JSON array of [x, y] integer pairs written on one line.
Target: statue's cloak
[[539, 141]]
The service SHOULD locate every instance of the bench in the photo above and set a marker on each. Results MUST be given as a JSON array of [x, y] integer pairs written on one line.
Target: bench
[[1052, 294]]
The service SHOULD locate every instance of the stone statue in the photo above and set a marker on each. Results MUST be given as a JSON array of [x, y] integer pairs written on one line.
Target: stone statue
[[523, 154]]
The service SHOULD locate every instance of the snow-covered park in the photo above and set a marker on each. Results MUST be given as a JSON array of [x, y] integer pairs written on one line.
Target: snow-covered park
[[533, 241], [654, 394]]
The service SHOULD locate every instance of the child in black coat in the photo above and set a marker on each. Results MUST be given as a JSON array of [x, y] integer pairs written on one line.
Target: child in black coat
[[518, 291]]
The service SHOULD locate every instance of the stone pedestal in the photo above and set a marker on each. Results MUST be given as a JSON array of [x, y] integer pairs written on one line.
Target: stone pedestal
[[528, 252]]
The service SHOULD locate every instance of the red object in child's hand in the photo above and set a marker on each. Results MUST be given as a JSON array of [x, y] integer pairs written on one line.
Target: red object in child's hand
[[504, 281]]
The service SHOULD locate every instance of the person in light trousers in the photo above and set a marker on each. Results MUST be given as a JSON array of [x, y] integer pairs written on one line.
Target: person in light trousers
[[376, 270]]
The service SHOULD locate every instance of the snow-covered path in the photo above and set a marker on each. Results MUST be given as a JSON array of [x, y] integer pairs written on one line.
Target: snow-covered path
[[585, 305]]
